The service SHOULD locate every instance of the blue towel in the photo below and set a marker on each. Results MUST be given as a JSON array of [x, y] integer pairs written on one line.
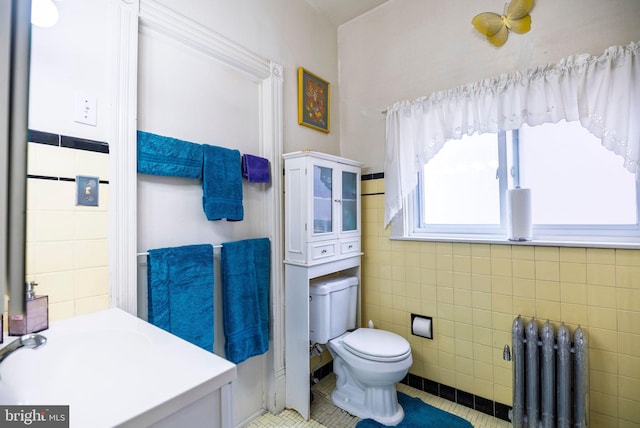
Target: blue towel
[[158, 155], [222, 184], [246, 273], [180, 288], [255, 169]]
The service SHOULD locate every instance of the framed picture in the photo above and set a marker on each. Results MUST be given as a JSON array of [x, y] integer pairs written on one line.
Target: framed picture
[[313, 101]]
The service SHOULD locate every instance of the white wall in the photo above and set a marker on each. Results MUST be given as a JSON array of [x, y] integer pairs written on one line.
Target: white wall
[[69, 58], [73, 57], [410, 48], [290, 33], [184, 94]]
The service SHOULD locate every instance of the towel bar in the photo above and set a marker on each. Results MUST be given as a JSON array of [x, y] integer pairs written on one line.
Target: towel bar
[[146, 254]]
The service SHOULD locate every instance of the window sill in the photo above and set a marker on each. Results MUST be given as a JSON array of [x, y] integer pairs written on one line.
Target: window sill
[[585, 242]]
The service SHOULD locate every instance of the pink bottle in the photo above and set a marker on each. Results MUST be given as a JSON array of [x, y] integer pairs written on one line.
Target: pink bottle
[[36, 317]]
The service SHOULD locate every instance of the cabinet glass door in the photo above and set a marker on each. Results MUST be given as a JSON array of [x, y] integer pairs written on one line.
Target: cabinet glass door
[[322, 199], [349, 201]]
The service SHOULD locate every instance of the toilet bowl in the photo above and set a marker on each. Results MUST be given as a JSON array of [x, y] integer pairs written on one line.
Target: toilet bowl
[[368, 363]]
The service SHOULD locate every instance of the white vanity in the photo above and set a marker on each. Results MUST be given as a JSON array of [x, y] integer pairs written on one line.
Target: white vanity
[[115, 370]]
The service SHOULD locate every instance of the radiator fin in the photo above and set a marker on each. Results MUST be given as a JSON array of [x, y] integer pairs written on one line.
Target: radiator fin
[[550, 376]]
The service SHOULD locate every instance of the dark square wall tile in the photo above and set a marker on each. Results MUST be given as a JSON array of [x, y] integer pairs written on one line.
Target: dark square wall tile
[[41, 137], [431, 387], [448, 393], [502, 411], [414, 381], [483, 405], [465, 399], [83, 144]]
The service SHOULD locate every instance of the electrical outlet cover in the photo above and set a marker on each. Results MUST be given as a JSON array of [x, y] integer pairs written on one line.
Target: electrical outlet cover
[[85, 109], [87, 190]]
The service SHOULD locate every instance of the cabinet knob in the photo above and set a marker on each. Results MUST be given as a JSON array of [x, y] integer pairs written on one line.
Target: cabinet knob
[[350, 247], [337, 200], [324, 251]]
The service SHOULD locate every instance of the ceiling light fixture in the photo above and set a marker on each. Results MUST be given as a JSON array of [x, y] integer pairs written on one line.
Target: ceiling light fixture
[[44, 13]]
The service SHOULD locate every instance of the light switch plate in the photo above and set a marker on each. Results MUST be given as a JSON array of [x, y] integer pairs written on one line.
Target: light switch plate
[[87, 190], [85, 109]]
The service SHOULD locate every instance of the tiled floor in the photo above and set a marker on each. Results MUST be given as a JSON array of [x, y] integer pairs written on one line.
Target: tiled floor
[[325, 414]]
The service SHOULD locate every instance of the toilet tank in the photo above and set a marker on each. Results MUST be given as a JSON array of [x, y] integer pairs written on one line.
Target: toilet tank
[[332, 307]]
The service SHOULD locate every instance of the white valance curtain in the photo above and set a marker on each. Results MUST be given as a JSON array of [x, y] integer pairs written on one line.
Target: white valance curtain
[[603, 93]]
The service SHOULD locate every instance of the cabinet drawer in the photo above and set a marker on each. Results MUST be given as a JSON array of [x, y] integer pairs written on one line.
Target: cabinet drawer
[[350, 246], [322, 250]]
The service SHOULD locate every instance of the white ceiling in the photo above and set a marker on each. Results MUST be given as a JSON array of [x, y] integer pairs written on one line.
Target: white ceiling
[[341, 11]]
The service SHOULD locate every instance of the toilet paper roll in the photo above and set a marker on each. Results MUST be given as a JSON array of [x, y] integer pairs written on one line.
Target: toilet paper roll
[[519, 214], [421, 327]]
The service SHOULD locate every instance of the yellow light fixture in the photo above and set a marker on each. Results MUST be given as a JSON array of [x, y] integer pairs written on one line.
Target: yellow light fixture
[[44, 13]]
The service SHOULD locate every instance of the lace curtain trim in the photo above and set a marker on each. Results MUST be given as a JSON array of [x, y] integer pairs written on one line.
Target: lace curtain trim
[[603, 93]]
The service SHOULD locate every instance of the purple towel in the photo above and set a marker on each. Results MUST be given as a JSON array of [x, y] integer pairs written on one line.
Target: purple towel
[[255, 169]]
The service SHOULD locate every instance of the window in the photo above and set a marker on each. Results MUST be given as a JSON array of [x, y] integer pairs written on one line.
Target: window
[[580, 190]]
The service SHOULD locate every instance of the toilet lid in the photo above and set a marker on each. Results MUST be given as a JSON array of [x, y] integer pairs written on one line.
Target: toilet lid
[[377, 345]]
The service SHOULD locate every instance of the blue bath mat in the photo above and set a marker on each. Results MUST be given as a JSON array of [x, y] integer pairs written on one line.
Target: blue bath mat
[[418, 414]]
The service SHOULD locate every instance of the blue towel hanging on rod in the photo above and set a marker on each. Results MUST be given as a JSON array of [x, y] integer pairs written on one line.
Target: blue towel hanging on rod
[[180, 292], [222, 184], [160, 155], [246, 277]]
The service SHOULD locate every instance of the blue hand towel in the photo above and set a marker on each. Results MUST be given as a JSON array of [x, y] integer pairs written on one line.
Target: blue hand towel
[[222, 184], [158, 155], [255, 169], [246, 273], [180, 288]]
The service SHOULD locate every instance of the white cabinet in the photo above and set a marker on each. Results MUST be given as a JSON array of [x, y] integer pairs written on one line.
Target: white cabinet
[[322, 237], [322, 207]]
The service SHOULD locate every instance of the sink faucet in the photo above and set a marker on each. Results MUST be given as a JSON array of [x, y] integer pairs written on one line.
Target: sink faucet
[[27, 341]]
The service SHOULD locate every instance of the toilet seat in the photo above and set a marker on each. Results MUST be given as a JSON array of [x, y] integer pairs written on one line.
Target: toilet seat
[[377, 345]]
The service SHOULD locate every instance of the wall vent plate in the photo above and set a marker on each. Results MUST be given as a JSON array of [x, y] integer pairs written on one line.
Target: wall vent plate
[[87, 190]]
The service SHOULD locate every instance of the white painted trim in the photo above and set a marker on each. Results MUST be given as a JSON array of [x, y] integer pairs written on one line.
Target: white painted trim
[[271, 136], [226, 406], [269, 76], [122, 138], [154, 16]]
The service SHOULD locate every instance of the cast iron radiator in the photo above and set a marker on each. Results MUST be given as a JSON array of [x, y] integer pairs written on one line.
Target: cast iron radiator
[[550, 376]]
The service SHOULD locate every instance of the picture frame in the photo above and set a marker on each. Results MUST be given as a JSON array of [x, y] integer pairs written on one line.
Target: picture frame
[[313, 101]]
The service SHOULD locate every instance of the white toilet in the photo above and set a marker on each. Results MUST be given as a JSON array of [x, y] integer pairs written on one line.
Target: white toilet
[[367, 362]]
